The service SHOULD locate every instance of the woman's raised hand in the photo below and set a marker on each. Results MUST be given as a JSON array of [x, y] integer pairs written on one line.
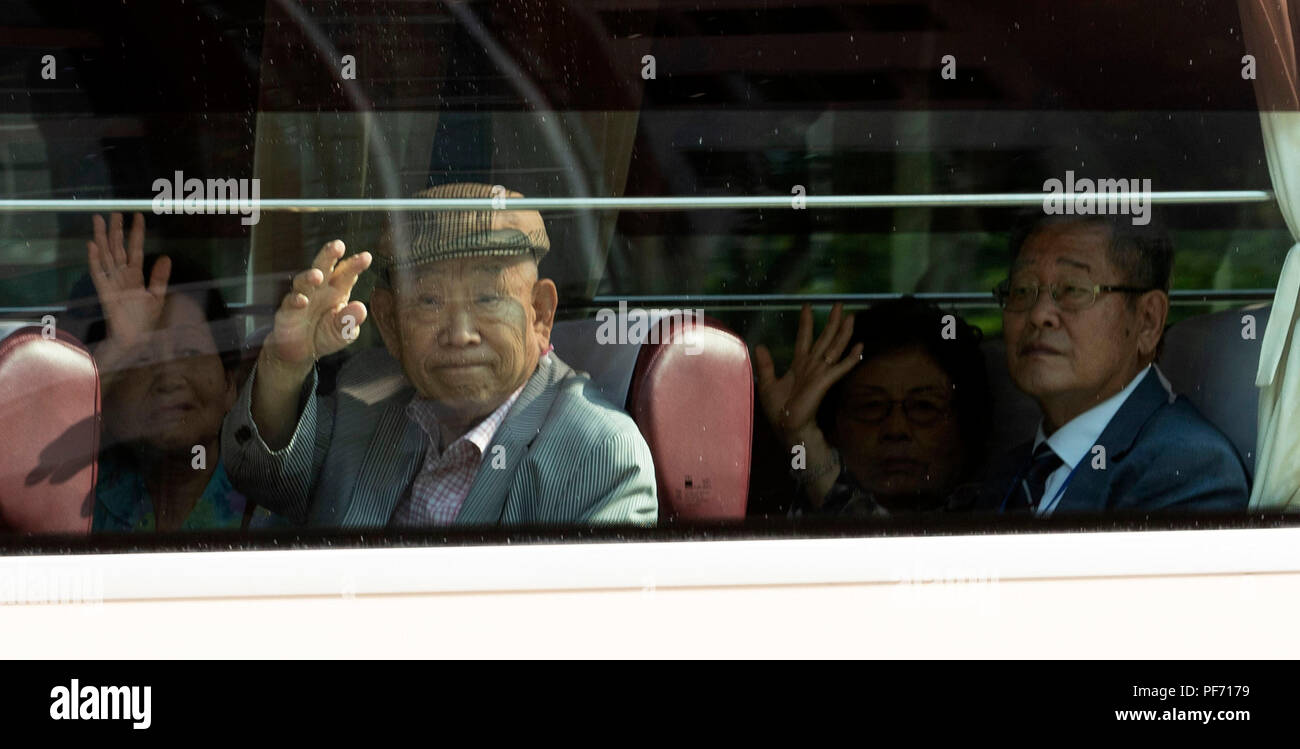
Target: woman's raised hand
[[131, 309], [791, 401]]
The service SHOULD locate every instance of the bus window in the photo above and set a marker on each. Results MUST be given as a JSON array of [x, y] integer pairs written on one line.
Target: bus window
[[424, 271]]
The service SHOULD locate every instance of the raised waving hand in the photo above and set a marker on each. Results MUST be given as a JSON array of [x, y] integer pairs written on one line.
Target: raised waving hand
[[311, 321], [131, 309], [791, 401]]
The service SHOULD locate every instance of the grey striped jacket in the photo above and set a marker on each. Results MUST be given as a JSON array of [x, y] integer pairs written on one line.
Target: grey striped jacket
[[571, 457]]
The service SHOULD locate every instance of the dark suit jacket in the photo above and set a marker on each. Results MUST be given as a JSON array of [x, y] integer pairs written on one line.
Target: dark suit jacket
[[1161, 454]]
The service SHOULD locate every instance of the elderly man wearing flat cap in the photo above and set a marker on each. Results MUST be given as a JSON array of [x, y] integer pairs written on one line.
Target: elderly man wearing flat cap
[[465, 417]]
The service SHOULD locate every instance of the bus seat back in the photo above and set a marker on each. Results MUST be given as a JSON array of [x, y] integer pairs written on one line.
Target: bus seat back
[[690, 390], [1016, 415], [610, 364], [1212, 359], [49, 425]]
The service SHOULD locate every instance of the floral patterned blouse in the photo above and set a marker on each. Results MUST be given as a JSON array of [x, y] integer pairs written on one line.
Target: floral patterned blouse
[[122, 502]]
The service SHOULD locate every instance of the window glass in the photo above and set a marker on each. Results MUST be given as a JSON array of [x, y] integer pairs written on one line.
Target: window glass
[[954, 118]]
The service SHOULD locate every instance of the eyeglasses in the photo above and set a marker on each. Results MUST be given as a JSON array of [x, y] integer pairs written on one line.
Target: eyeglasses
[[1069, 296], [921, 410]]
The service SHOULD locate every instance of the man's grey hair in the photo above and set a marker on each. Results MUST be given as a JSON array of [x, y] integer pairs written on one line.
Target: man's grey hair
[[1143, 254]]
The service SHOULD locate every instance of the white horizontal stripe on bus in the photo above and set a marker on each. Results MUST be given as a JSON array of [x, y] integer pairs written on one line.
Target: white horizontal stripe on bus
[[645, 565], [663, 203]]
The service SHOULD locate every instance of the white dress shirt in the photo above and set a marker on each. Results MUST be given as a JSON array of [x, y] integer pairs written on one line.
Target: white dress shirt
[[1073, 442]]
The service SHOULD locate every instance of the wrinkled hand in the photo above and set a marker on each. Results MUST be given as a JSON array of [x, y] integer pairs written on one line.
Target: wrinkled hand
[[131, 309], [790, 403], [310, 322]]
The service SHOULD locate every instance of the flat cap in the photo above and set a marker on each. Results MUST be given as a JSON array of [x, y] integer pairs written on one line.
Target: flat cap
[[438, 235]]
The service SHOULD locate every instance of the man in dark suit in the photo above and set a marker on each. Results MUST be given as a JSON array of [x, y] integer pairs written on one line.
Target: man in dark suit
[[1084, 311]]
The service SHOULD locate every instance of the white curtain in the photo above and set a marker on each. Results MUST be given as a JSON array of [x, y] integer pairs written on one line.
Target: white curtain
[[1270, 28]]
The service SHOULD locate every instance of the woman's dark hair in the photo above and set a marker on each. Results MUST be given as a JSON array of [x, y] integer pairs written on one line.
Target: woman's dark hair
[[87, 317], [908, 322]]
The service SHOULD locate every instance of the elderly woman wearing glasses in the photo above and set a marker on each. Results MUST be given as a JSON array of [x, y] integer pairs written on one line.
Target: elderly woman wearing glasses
[[889, 409]]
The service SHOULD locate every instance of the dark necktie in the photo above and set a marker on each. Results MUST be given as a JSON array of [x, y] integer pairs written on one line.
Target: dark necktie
[[1045, 462], [1028, 492]]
